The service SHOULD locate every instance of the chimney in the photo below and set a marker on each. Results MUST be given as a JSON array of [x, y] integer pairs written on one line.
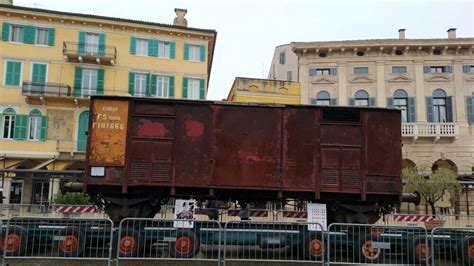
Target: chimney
[[6, 2], [452, 33], [179, 20], [401, 34]]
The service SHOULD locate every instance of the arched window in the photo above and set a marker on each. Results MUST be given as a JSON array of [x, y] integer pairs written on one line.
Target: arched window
[[440, 112], [400, 101], [9, 115], [323, 98], [35, 125], [361, 98]]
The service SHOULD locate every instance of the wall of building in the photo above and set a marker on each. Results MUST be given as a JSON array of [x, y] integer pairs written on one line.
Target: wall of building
[[264, 91], [279, 69]]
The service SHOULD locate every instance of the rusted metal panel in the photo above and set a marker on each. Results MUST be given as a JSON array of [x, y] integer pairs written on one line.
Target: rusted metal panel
[[108, 132], [384, 152], [248, 147], [193, 151], [299, 149]]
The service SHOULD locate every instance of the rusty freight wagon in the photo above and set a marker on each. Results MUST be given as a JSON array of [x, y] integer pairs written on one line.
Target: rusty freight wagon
[[142, 151]]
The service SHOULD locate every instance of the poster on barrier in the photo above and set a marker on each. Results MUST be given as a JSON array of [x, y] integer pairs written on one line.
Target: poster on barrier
[[184, 210], [317, 214]]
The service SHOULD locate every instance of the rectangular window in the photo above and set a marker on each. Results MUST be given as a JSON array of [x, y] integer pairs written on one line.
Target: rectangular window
[[35, 127], [319, 71], [17, 33], [193, 89], [471, 69], [289, 75], [42, 36], [13, 73], [142, 46], [361, 70], [194, 52], [92, 43], [163, 86], [323, 102], [399, 69], [439, 110], [437, 69], [89, 82], [8, 126], [282, 58], [402, 104], [164, 49], [140, 85]]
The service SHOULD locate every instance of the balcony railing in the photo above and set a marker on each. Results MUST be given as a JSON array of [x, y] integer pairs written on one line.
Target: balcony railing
[[45, 89], [436, 130], [85, 52]]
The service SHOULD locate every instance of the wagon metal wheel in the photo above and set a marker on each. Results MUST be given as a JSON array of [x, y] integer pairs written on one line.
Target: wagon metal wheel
[[186, 244], [70, 242], [366, 251], [467, 254], [14, 241], [420, 250], [130, 242]]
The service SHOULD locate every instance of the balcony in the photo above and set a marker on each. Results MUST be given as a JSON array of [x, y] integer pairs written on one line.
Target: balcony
[[89, 53], [41, 90], [430, 130]]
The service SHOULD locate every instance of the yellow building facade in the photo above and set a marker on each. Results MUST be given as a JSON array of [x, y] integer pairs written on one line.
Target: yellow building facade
[[264, 91], [51, 62]]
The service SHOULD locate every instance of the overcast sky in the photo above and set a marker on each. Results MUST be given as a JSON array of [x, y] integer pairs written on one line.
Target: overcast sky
[[249, 30]]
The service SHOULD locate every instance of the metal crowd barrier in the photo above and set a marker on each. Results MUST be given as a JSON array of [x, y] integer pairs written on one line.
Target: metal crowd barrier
[[273, 242], [151, 239], [57, 238], [378, 244], [453, 246]]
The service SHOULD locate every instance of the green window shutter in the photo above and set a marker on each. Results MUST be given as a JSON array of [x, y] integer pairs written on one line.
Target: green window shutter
[[153, 47], [372, 101], [426, 69], [133, 45], [333, 71], [101, 44], [449, 109], [81, 46], [202, 89], [100, 82], [5, 31], [9, 73], [131, 83], [29, 34], [186, 51], [390, 102], [148, 87], [77, 82], [313, 101], [185, 88], [154, 86], [172, 50], [51, 37], [465, 69], [44, 128], [333, 101], [39, 73], [429, 109], [449, 69], [411, 110], [171, 92], [202, 54], [351, 101], [470, 109], [19, 131], [13, 73]]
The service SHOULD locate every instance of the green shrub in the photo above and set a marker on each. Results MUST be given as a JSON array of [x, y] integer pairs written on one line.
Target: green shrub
[[72, 198]]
